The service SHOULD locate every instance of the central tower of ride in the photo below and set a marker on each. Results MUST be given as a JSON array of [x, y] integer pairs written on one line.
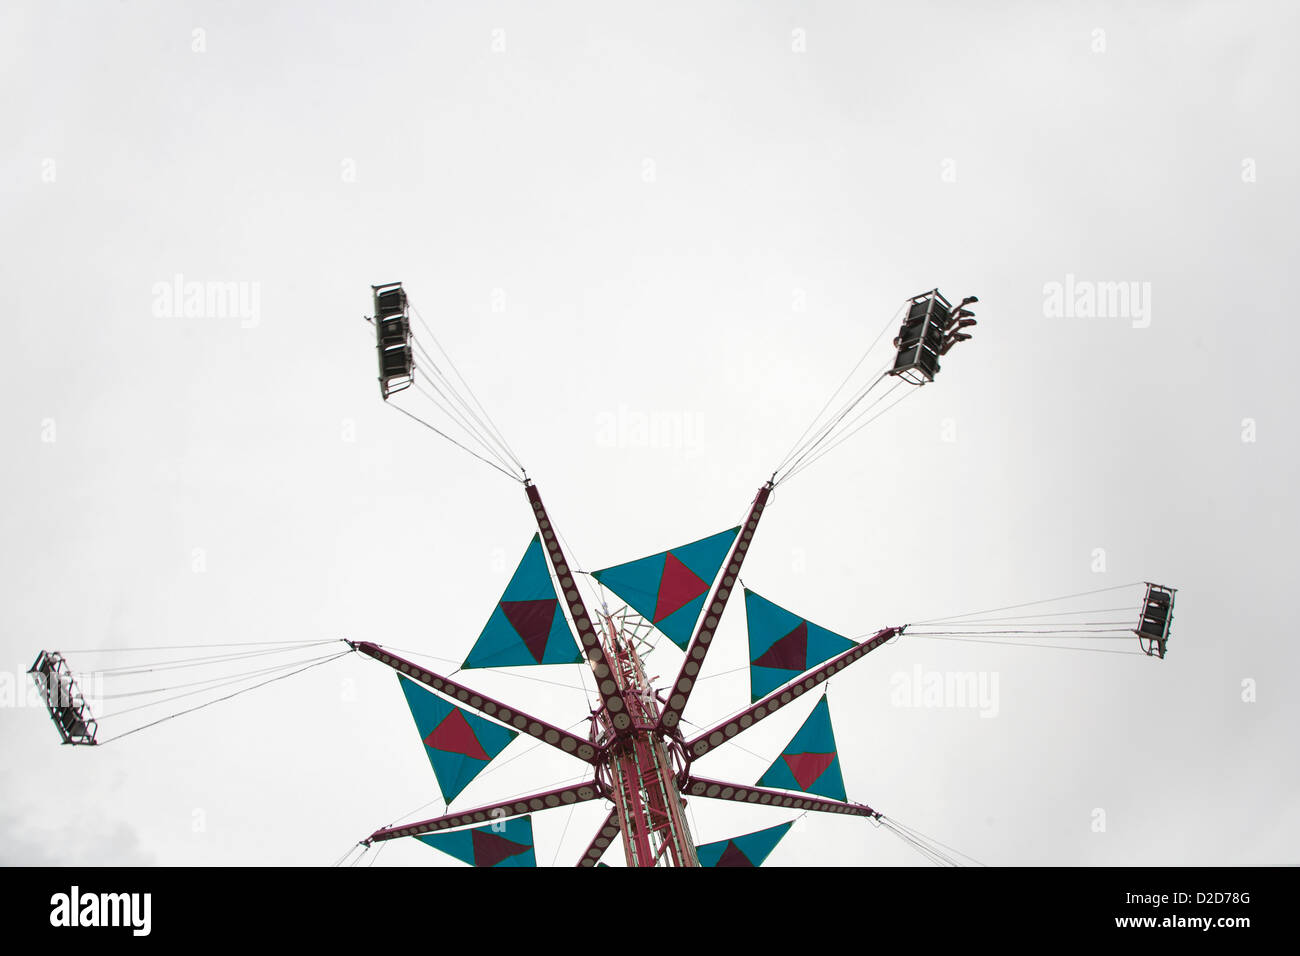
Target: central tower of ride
[[641, 767], [643, 757]]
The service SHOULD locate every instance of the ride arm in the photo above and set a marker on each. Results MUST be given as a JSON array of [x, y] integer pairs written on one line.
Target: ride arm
[[718, 790], [680, 692], [774, 701], [606, 685], [488, 706], [563, 797], [606, 835]]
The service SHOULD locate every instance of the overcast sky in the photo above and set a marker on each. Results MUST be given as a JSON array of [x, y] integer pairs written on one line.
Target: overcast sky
[[700, 213]]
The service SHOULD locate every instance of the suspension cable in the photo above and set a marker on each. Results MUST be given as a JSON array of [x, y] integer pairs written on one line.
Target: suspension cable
[[225, 681], [199, 683], [452, 365], [826, 430], [483, 433], [932, 840], [187, 662], [465, 410], [830, 448], [220, 699], [922, 844], [456, 443], [799, 443], [187, 647], [1013, 643], [1012, 607], [457, 418], [469, 415]]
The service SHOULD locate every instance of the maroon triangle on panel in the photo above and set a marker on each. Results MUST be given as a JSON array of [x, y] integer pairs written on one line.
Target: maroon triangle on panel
[[789, 653], [732, 856], [678, 587], [807, 768], [455, 736], [532, 621], [490, 849]]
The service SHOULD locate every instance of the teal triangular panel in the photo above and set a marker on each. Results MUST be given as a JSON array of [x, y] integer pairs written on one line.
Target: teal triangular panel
[[823, 645], [458, 844], [767, 623], [749, 849], [527, 627], [783, 645], [459, 744], [669, 589], [532, 579], [779, 776], [809, 762], [499, 844], [561, 648], [764, 680], [680, 625], [499, 645], [636, 582], [815, 736], [705, 556]]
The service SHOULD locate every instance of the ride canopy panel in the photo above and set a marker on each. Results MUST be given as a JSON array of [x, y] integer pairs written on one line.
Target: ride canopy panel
[[501, 843], [783, 645], [459, 744], [527, 626], [749, 849], [810, 761], [669, 589]]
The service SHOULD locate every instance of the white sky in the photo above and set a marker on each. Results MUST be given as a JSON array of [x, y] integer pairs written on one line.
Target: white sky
[[822, 176]]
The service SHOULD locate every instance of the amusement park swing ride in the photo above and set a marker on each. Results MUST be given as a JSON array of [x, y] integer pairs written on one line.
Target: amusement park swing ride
[[640, 761]]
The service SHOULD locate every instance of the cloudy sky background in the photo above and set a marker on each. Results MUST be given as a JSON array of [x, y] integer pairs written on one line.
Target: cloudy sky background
[[700, 212]]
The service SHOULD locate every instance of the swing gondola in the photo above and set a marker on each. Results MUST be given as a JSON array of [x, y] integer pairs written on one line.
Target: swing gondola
[[63, 699]]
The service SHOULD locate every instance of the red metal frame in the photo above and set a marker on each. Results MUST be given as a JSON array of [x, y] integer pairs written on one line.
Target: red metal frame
[[591, 645], [511, 716], [721, 790], [605, 835], [732, 726], [651, 816], [681, 690], [562, 797]]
